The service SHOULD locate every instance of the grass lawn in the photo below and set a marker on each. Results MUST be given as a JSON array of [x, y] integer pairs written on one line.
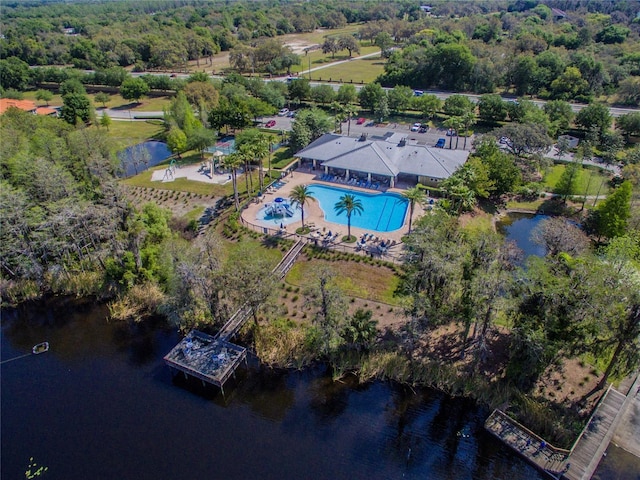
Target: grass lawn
[[147, 104], [532, 205], [272, 254], [589, 180], [126, 133], [281, 158], [357, 71], [356, 279]]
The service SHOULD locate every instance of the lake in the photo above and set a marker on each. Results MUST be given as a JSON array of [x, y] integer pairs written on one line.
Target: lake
[[517, 227], [137, 158], [101, 404]]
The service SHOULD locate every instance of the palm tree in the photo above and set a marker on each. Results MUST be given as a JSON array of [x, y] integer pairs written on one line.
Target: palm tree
[[349, 204], [245, 153], [261, 148], [414, 195], [469, 119], [361, 330], [232, 162], [300, 195], [350, 110]]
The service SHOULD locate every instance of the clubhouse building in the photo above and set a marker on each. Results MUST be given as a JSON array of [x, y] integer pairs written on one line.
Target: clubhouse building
[[381, 160]]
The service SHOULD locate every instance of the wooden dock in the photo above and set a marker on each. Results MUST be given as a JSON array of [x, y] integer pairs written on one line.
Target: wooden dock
[[213, 359], [546, 457], [594, 439], [581, 461], [205, 357]]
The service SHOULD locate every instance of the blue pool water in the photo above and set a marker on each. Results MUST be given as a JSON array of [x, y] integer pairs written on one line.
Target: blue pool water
[[382, 212], [138, 158]]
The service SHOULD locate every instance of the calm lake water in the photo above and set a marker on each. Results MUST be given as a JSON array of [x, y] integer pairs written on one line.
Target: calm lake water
[[101, 404], [518, 227], [137, 158]]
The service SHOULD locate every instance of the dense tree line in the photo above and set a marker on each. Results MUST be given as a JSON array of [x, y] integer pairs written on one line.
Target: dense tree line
[[480, 46], [526, 49], [573, 301]]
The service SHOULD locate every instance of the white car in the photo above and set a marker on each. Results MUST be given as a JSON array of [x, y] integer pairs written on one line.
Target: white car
[[283, 112], [415, 127]]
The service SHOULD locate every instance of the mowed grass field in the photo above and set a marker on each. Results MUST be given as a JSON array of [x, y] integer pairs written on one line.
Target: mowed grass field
[[364, 70], [354, 279], [125, 133], [147, 104], [591, 181]]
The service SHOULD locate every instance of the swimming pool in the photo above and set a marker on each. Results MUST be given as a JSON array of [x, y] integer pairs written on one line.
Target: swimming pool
[[382, 212]]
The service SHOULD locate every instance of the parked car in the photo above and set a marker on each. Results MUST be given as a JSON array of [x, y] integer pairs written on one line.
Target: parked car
[[418, 93], [415, 127], [424, 129], [440, 143], [291, 114], [360, 121], [283, 112], [270, 123]]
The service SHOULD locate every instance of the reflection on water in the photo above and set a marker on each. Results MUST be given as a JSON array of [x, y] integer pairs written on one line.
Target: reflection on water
[[518, 227], [101, 404]]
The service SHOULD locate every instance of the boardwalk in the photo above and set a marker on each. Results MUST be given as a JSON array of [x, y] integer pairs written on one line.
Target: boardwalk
[[581, 461], [238, 319], [594, 440], [545, 457]]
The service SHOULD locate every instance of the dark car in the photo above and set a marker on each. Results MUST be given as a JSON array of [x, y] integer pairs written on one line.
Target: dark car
[[440, 143], [423, 129]]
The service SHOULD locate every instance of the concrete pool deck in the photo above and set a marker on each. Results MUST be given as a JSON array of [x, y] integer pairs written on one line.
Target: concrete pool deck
[[314, 215]]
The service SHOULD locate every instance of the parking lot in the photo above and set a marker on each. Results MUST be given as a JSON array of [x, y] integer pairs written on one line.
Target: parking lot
[[428, 138]]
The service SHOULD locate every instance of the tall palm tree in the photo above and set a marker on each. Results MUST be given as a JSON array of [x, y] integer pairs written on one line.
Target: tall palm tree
[[232, 162], [245, 153], [469, 119], [261, 148], [350, 205], [300, 195], [414, 195], [350, 110]]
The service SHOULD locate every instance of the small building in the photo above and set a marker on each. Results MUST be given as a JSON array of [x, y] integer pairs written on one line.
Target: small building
[[558, 14], [25, 105], [572, 142], [386, 159]]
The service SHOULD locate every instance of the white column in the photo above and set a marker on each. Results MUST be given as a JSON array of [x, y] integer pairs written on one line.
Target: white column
[[392, 182], [346, 175], [326, 169], [369, 177]]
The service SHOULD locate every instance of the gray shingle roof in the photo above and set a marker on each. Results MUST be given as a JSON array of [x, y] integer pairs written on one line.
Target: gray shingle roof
[[384, 156]]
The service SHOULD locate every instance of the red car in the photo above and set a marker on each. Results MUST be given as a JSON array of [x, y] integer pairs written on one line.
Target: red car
[[271, 123], [361, 121]]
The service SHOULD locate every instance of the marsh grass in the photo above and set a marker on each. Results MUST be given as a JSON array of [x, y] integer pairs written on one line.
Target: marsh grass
[[139, 302]]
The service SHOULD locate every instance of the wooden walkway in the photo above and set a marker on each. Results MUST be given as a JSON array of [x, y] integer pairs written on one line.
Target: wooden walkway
[[238, 319], [581, 461], [594, 440], [545, 457]]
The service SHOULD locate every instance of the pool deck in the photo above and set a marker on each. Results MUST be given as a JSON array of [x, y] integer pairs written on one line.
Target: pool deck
[[314, 215]]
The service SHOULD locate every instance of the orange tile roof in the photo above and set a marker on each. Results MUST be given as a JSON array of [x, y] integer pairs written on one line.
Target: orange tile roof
[[46, 111], [26, 105]]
